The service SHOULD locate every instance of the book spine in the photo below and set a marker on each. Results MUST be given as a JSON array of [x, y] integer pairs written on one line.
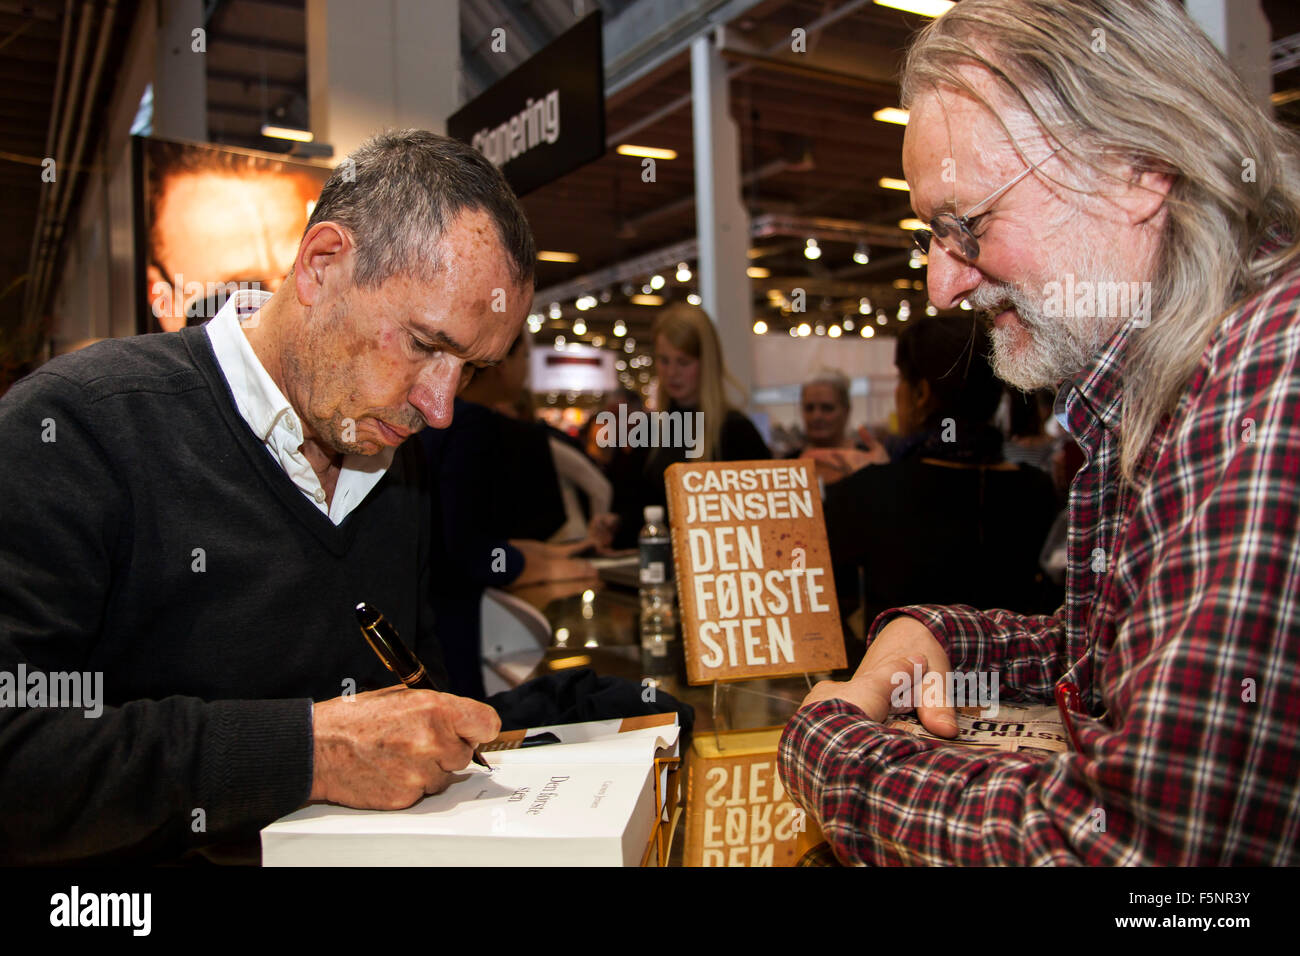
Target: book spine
[[683, 573]]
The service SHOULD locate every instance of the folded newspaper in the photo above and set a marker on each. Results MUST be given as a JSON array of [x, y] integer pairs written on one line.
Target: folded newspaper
[[1014, 727]]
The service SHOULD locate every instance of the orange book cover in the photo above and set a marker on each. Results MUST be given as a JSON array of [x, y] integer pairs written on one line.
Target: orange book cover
[[754, 582]]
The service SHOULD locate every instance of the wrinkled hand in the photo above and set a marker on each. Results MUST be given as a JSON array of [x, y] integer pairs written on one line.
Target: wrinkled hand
[[386, 749], [901, 643]]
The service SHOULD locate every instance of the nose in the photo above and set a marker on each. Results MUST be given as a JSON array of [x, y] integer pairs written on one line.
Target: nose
[[949, 279], [434, 392]]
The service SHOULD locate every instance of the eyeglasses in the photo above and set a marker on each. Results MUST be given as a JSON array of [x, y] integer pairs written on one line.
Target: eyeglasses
[[954, 232]]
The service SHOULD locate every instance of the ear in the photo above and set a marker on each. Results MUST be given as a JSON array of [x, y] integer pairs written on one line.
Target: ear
[[325, 252], [1143, 194], [924, 397]]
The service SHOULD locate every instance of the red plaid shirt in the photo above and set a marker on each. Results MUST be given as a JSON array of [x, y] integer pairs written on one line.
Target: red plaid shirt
[[1181, 627]]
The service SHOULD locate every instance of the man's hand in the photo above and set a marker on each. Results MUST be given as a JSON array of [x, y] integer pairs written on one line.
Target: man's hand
[[385, 749], [870, 690], [601, 531], [552, 562], [899, 644]]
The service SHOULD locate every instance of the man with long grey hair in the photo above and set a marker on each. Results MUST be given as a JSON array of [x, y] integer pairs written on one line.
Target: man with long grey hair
[[1097, 180]]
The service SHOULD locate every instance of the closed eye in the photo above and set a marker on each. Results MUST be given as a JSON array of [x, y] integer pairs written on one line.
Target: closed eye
[[422, 346], [973, 224]]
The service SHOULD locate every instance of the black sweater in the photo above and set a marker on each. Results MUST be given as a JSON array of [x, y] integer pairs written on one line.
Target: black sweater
[[157, 541]]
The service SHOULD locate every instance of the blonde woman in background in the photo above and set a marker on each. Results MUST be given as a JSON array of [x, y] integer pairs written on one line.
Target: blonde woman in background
[[692, 378]]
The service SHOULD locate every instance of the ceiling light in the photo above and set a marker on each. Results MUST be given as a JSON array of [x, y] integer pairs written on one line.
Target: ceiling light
[[834, 331], [965, 305], [760, 327], [579, 327], [926, 8], [620, 329], [811, 250], [931, 310], [867, 332], [647, 152], [647, 300], [758, 272], [891, 114], [804, 329], [556, 311], [910, 224], [889, 182], [287, 132], [694, 299], [656, 282], [862, 255], [848, 324], [864, 306], [549, 255], [683, 272]]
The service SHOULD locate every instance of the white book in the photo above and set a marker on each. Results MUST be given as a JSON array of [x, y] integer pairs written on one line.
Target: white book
[[589, 803]]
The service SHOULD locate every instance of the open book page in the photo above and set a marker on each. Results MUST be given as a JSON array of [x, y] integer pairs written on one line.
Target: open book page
[[1014, 727], [561, 804]]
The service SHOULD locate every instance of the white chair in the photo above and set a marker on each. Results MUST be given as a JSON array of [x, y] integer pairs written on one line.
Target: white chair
[[514, 637]]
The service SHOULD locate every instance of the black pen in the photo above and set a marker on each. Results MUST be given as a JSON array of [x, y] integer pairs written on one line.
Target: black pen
[[397, 657]]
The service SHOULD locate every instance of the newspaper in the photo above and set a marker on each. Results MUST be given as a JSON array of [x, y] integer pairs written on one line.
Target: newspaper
[[1029, 728]]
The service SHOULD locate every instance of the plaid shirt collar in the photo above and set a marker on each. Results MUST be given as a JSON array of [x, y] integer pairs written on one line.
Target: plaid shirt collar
[[1095, 396]]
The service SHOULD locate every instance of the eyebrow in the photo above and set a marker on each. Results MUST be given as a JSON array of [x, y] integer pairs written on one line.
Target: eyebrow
[[446, 342]]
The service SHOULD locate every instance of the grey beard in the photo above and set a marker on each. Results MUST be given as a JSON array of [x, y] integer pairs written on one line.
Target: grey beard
[[1057, 348]]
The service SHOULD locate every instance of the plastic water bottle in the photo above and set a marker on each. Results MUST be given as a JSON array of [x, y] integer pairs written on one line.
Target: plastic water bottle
[[658, 592]]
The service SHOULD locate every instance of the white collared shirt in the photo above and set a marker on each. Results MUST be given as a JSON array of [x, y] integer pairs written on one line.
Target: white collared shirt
[[273, 420]]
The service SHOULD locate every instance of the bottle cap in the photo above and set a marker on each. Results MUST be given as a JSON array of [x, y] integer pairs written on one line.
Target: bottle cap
[[654, 514]]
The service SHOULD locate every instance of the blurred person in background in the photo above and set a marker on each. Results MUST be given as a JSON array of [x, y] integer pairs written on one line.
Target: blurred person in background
[[824, 402], [506, 507], [949, 519], [692, 378]]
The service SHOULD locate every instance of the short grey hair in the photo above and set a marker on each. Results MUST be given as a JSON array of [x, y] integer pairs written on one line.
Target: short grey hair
[[398, 191], [837, 380]]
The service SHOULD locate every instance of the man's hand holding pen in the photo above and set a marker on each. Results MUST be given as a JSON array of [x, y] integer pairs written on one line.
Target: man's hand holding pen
[[386, 749]]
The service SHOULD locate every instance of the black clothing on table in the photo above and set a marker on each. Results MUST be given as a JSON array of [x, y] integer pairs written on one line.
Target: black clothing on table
[[943, 524], [152, 538], [637, 474]]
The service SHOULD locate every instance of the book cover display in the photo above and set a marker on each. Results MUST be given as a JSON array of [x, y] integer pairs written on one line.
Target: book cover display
[[754, 579]]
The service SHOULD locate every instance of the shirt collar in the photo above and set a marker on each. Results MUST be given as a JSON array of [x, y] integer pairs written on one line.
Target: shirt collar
[[260, 401], [1096, 393]]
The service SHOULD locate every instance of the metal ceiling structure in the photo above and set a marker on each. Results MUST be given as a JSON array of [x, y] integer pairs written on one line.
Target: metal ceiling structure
[[810, 151]]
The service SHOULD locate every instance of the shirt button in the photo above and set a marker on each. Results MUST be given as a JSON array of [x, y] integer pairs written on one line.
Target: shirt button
[[320, 494]]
